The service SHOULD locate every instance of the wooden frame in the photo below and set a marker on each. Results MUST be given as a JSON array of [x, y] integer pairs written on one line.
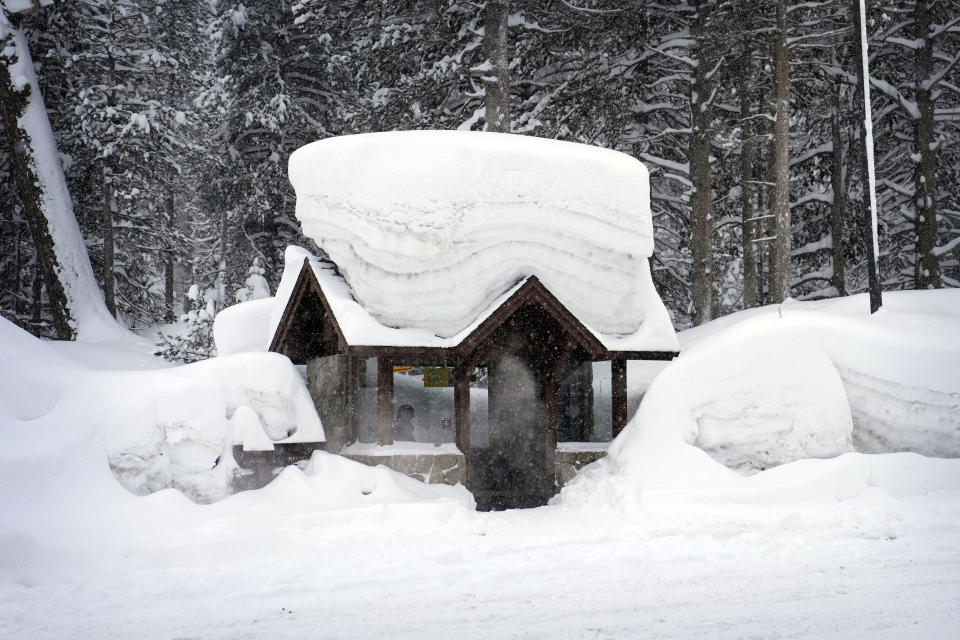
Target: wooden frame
[[384, 401], [464, 356], [618, 395], [306, 281]]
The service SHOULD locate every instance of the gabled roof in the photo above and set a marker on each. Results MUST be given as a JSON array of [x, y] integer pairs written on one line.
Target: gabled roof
[[359, 333], [532, 291], [306, 282]]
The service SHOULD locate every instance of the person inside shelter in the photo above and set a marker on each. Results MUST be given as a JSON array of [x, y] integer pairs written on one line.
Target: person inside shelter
[[403, 425]]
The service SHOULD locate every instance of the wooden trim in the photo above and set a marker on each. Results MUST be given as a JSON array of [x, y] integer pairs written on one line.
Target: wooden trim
[[289, 311], [639, 355], [306, 279], [384, 401], [618, 371], [532, 291], [406, 355], [589, 342], [449, 356], [315, 286]]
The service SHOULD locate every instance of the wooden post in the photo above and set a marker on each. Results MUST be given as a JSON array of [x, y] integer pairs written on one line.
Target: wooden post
[[355, 368], [550, 383], [384, 401], [461, 406], [585, 399], [618, 371], [550, 436]]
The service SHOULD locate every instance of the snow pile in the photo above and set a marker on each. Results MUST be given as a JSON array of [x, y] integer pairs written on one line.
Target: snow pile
[[767, 399], [430, 227], [178, 420], [242, 327], [778, 385], [334, 482], [901, 370], [64, 426], [157, 428], [249, 326]]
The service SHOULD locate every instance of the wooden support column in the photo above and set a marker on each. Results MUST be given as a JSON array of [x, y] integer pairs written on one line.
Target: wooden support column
[[550, 409], [618, 371], [550, 383], [461, 405], [352, 401], [550, 418], [384, 401]]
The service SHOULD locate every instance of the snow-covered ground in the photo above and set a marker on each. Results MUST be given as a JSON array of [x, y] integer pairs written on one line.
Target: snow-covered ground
[[873, 567], [660, 539]]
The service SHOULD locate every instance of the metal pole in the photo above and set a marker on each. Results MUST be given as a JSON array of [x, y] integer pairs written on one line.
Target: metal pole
[[867, 174]]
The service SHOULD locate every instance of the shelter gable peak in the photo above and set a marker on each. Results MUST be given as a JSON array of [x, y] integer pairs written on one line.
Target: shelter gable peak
[[533, 291]]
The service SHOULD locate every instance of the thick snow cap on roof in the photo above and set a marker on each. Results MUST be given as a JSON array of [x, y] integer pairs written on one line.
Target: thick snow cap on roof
[[430, 227]]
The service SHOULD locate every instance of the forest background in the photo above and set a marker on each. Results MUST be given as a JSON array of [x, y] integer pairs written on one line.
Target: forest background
[[174, 120]]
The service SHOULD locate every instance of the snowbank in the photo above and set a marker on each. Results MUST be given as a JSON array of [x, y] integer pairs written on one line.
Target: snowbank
[[430, 227], [758, 396], [157, 428], [69, 432], [167, 428], [772, 387]]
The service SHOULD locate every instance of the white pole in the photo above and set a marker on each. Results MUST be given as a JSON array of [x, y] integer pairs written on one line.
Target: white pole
[[868, 174], [868, 127]]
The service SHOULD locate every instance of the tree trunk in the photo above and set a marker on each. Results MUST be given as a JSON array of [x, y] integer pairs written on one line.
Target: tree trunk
[[109, 296], [764, 172], [782, 243], [222, 274], [61, 252], [168, 280], [751, 295], [927, 270], [37, 294], [496, 79], [17, 268], [838, 209], [701, 245]]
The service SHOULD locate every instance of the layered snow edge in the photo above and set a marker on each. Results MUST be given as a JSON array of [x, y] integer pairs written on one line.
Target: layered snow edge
[[429, 228], [797, 401], [251, 326]]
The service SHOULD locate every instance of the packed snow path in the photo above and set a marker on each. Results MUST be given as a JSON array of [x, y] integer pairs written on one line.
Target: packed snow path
[[870, 568]]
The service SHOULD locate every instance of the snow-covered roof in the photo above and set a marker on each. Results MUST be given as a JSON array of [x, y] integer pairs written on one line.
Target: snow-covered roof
[[361, 329], [430, 229]]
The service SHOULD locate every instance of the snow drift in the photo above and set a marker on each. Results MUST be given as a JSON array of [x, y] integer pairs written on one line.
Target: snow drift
[[68, 433], [773, 387], [159, 427], [430, 227]]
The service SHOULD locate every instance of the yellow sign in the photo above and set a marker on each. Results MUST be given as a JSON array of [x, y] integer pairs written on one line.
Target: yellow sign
[[400, 368], [436, 377]]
